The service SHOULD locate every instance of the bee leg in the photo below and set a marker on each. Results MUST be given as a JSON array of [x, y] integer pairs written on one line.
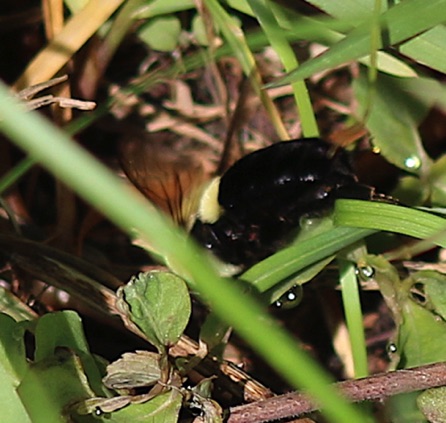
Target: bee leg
[[363, 192]]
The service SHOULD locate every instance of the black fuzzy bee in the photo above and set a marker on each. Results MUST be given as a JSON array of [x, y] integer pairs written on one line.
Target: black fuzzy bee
[[255, 207]]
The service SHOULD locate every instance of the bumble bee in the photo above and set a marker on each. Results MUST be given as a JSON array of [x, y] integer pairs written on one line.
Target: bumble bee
[[254, 208]]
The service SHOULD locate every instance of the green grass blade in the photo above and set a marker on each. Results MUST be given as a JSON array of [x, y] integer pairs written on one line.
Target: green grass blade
[[285, 263], [352, 10], [403, 21], [236, 39], [105, 191], [353, 317], [263, 10], [428, 48], [391, 218], [16, 173]]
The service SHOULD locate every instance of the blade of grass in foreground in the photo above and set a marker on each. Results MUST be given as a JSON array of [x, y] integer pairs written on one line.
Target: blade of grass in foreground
[[105, 191]]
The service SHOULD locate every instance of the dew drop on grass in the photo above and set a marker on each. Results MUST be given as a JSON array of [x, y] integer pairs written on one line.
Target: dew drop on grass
[[291, 298], [365, 272], [392, 348], [412, 162], [98, 411]]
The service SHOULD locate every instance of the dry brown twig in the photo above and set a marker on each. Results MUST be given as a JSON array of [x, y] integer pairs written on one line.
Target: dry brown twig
[[373, 388], [28, 93]]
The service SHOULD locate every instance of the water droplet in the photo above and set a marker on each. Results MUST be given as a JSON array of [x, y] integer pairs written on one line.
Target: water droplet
[[291, 298], [365, 272], [392, 348], [412, 162], [98, 411]]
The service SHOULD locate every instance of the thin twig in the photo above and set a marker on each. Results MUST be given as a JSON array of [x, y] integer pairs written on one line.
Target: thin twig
[[29, 92], [373, 388]]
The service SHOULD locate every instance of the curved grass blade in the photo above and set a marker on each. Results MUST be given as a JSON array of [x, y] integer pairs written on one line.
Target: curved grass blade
[[391, 218], [287, 262]]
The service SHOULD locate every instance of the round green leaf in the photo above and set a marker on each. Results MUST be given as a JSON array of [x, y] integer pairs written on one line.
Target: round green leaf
[[161, 33], [159, 304]]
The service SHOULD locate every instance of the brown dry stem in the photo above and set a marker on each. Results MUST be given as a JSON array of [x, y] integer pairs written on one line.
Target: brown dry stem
[[373, 388]]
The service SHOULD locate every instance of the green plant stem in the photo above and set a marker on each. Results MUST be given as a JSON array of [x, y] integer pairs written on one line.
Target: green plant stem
[[16, 173], [353, 317], [263, 11]]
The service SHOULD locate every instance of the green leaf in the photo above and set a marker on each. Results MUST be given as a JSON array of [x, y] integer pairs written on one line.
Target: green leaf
[[162, 7], [159, 304], [401, 22], [59, 329], [420, 330], [64, 329], [432, 403], [12, 349], [242, 6], [163, 408], [390, 64], [12, 306], [13, 410], [162, 33], [428, 48], [133, 370], [13, 367], [52, 384], [352, 10], [433, 286], [403, 409], [420, 334], [411, 190], [199, 30], [396, 102], [437, 180]]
